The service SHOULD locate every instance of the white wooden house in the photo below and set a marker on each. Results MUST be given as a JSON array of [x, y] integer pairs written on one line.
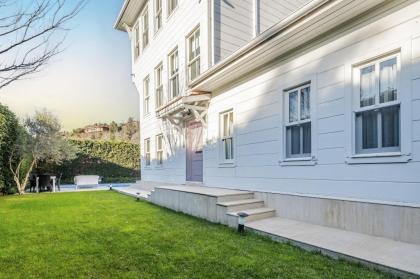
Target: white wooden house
[[311, 99]]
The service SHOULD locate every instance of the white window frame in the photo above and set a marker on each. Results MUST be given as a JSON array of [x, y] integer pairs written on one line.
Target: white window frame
[[404, 48], [159, 150], [191, 38], [158, 15], [136, 41], [224, 138], [173, 75], [159, 93], [299, 122], [146, 96], [377, 106], [147, 157], [171, 7], [144, 18]]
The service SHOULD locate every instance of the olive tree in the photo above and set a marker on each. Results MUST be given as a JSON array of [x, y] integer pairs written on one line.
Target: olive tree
[[39, 140]]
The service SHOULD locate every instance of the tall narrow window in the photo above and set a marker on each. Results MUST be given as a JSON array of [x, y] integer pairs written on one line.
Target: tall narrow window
[[173, 74], [172, 4], [145, 27], [158, 15], [298, 124], [136, 43], [159, 149], [159, 85], [194, 55], [226, 133], [146, 96], [377, 113], [147, 152]]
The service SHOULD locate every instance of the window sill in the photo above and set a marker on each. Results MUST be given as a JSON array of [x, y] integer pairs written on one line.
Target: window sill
[[227, 165], [379, 158], [304, 161]]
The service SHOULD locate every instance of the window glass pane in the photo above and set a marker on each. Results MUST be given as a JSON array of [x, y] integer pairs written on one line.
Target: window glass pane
[[305, 107], [225, 125], [293, 140], [367, 127], [391, 126], [367, 86], [306, 134], [388, 81], [293, 107]]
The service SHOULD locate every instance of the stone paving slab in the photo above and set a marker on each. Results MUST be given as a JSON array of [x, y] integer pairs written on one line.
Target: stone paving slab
[[377, 251]]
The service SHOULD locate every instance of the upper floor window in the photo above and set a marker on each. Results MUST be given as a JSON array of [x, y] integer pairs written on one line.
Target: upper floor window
[[173, 74], [172, 4], [146, 96], [194, 55], [136, 43], [377, 106], [159, 85], [226, 135], [147, 152], [145, 27], [158, 15], [298, 122], [159, 149]]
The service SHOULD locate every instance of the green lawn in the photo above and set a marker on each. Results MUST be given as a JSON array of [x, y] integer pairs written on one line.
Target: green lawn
[[107, 235]]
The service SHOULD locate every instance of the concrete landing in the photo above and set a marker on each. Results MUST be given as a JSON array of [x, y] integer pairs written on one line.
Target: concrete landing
[[386, 254], [202, 190]]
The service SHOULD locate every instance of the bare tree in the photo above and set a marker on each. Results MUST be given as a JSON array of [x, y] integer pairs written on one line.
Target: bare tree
[[31, 33]]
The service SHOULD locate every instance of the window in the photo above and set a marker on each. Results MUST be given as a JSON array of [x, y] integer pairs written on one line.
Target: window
[[173, 74], [172, 4], [146, 96], [377, 109], [136, 44], [145, 27], [147, 152], [159, 149], [194, 55], [298, 122], [158, 15], [226, 132], [159, 85]]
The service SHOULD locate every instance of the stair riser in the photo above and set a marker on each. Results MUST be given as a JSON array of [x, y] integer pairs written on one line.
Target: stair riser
[[235, 197], [260, 216], [235, 208]]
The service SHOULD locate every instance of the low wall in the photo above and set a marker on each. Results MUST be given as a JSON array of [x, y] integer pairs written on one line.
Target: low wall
[[396, 221], [197, 205]]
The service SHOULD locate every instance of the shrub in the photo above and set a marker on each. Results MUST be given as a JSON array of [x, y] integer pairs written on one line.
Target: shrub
[[9, 129], [115, 161]]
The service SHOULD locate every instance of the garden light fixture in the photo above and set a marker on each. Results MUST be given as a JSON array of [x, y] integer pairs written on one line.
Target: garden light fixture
[[241, 221]]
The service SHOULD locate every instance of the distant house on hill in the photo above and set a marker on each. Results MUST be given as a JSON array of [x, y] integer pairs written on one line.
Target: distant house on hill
[[96, 128]]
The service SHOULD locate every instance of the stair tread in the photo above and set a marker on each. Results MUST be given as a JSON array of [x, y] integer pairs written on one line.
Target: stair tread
[[239, 202], [253, 211]]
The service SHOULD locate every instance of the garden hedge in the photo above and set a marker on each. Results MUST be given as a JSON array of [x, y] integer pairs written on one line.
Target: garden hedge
[[115, 161]]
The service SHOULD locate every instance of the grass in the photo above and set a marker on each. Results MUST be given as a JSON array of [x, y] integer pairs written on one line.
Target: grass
[[107, 235]]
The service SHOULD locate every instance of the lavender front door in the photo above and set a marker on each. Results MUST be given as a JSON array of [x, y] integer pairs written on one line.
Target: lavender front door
[[194, 151]]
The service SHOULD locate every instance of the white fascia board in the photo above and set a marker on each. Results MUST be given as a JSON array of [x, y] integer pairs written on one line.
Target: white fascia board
[[312, 20]]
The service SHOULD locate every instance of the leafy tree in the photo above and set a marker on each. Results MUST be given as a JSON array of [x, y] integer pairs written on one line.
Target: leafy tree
[[131, 128], [9, 129], [40, 140]]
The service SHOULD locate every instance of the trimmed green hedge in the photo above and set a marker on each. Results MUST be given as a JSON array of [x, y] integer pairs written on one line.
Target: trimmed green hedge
[[115, 161], [9, 126]]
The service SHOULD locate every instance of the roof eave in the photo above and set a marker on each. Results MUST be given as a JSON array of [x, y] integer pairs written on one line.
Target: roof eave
[[217, 76]]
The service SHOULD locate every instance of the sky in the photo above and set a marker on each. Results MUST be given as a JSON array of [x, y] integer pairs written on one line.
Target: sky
[[90, 81]]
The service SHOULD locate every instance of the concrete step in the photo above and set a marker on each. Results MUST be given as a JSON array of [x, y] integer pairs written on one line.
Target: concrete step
[[253, 215], [238, 205], [235, 197]]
